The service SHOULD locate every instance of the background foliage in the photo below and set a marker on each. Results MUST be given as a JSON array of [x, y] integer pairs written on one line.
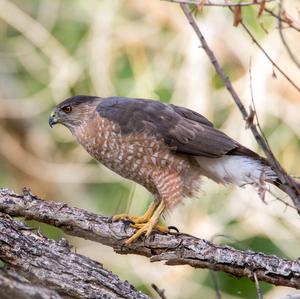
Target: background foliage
[[52, 49]]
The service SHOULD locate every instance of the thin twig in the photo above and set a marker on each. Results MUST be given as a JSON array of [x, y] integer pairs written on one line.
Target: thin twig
[[280, 199], [254, 107], [289, 186], [255, 112], [258, 289], [174, 249], [282, 37], [219, 4], [290, 22], [213, 274], [268, 56], [160, 292], [215, 281]]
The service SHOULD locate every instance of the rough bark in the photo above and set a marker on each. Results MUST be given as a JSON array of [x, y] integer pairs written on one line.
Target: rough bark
[[52, 264], [175, 249], [12, 285]]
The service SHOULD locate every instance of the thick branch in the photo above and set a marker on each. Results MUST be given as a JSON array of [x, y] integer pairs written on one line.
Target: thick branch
[[12, 285], [175, 249], [219, 4], [52, 264], [289, 186]]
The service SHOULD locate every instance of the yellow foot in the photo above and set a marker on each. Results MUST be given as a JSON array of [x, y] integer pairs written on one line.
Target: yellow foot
[[146, 228], [146, 223], [133, 219], [157, 227], [137, 219]]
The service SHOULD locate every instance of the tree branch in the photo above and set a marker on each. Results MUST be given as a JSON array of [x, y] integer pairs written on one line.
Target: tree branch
[[12, 285], [268, 56], [285, 18], [289, 185], [219, 4], [174, 249], [52, 264]]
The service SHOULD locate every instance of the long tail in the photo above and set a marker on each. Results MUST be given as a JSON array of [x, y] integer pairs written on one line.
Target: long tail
[[241, 170]]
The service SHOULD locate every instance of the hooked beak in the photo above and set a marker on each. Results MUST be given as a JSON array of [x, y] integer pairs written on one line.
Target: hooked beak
[[53, 120]]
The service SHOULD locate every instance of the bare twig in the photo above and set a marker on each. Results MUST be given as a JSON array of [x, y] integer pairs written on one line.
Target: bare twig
[[289, 186], [160, 292], [286, 204], [174, 249], [282, 37], [215, 281], [268, 56], [287, 19], [262, 187], [254, 108], [219, 4], [52, 264], [258, 289]]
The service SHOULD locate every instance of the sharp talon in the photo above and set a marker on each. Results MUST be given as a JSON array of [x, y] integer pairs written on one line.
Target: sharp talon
[[136, 225], [128, 222], [171, 227], [123, 248], [144, 224], [149, 239], [119, 217], [152, 238], [142, 228], [131, 219]]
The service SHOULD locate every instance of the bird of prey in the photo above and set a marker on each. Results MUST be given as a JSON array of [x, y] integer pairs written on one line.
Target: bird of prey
[[163, 147]]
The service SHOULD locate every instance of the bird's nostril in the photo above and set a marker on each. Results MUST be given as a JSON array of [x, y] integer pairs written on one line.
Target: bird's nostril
[[52, 120]]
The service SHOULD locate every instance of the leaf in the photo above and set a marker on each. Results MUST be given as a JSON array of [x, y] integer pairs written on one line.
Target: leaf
[[286, 18], [237, 15], [250, 118], [201, 4], [262, 6]]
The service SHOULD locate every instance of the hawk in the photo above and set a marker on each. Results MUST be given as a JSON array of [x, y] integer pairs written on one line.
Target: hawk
[[163, 147]]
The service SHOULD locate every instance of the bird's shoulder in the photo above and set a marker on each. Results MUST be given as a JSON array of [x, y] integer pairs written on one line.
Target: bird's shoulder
[[134, 115]]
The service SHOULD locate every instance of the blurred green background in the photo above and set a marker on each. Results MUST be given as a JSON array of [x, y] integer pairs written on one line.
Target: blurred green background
[[52, 49]]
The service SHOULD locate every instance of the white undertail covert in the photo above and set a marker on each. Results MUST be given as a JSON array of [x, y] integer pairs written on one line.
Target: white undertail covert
[[237, 170]]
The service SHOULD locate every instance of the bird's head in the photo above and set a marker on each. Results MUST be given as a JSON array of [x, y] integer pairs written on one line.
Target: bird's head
[[73, 111]]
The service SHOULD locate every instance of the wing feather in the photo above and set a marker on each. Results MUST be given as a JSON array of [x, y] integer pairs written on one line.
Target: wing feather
[[184, 130]]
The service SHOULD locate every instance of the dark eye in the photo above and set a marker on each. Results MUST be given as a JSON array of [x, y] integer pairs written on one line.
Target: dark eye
[[67, 109]]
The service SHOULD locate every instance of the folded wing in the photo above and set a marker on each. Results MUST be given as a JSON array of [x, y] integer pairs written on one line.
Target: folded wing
[[184, 130]]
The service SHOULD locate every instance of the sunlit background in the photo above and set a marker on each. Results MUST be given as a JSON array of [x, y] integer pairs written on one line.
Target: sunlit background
[[52, 49]]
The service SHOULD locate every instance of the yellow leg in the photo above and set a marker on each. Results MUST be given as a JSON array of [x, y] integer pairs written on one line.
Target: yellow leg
[[157, 227], [147, 227], [137, 219]]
